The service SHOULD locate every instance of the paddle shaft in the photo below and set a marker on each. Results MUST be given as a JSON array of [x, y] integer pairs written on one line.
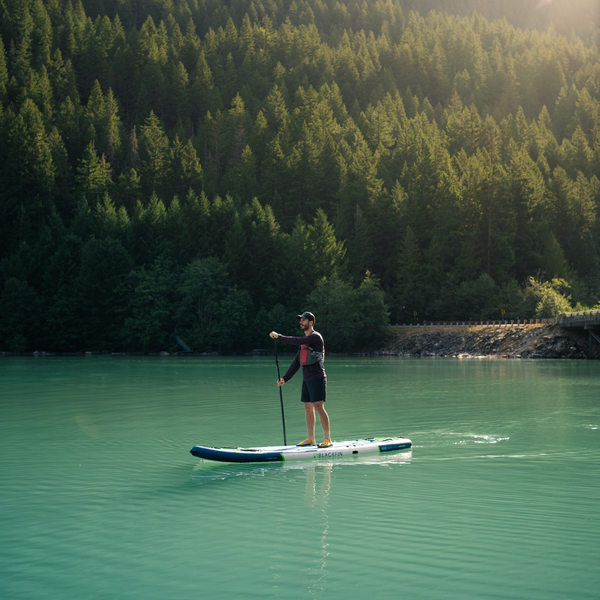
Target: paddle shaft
[[280, 393]]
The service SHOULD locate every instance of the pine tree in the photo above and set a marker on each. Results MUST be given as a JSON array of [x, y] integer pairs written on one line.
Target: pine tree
[[528, 191], [27, 173], [236, 256], [376, 127], [362, 187], [129, 191], [360, 248], [177, 104], [584, 252], [3, 73], [195, 241], [100, 285], [21, 53], [407, 297], [560, 194], [275, 110], [150, 310], [63, 174], [260, 136], [110, 221], [322, 244], [21, 311], [186, 171], [562, 118], [62, 331], [577, 154], [94, 176], [148, 230], [154, 152]]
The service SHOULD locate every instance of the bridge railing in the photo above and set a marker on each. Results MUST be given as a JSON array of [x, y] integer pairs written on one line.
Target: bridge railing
[[582, 318], [574, 319], [502, 323], [581, 313]]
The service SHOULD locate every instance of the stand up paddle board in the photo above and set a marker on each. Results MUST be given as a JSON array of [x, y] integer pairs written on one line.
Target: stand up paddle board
[[281, 453]]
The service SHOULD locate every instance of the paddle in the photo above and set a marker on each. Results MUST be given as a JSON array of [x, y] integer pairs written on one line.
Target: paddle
[[280, 393]]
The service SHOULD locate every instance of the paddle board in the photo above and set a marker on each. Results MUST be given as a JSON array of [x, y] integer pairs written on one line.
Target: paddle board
[[281, 453]]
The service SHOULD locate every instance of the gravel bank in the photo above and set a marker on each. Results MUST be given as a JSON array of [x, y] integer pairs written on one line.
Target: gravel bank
[[511, 341]]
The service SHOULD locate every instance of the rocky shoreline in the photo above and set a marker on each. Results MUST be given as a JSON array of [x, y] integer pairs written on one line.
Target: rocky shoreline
[[504, 341], [457, 341]]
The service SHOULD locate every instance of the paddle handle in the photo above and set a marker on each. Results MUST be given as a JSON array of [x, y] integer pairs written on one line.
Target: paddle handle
[[280, 393]]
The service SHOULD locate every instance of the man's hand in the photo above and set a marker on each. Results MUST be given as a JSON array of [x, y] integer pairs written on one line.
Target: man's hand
[[274, 335], [280, 382]]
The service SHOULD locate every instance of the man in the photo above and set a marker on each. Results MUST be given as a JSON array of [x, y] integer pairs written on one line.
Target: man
[[310, 356]]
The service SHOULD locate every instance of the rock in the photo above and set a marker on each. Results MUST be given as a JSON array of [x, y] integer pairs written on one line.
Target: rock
[[517, 341]]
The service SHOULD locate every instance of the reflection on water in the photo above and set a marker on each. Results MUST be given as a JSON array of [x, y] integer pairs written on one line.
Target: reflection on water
[[207, 470], [101, 499], [318, 488], [316, 499]]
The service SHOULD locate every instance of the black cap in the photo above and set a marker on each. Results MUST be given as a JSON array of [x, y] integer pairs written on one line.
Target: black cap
[[307, 315]]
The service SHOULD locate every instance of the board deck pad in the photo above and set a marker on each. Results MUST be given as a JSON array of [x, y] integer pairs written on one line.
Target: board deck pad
[[283, 453]]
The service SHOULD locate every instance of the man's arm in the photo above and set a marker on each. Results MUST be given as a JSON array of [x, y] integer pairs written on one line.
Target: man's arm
[[293, 368], [298, 341]]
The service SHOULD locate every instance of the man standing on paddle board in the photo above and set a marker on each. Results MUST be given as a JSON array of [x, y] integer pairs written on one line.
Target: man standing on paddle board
[[310, 355]]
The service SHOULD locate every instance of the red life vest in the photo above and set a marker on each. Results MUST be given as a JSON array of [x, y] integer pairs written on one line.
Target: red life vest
[[307, 356], [303, 354]]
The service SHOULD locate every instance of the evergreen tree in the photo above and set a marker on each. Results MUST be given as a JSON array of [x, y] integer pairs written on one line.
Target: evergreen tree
[[477, 138], [360, 248], [94, 177], [3, 73], [21, 312], [62, 326], [148, 225], [150, 321], [195, 241], [186, 171], [210, 309], [154, 155], [105, 265], [28, 175]]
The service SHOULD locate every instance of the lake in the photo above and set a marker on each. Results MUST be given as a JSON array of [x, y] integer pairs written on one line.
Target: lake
[[100, 498]]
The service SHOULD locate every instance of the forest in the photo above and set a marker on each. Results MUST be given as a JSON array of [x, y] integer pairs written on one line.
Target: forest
[[208, 169]]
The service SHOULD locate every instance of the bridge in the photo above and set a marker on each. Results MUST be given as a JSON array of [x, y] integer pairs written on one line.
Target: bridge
[[585, 320], [588, 320]]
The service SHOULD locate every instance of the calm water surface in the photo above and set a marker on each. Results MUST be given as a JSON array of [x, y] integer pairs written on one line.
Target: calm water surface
[[100, 498]]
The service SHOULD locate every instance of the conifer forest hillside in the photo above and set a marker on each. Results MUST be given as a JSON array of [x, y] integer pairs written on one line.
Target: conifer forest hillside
[[207, 169]]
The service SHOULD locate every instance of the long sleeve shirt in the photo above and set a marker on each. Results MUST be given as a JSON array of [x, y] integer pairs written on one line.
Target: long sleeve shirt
[[309, 372]]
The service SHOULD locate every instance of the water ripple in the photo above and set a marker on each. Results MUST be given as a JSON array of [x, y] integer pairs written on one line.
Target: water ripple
[[101, 499]]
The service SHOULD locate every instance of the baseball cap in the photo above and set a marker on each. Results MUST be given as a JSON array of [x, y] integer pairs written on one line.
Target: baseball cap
[[307, 315]]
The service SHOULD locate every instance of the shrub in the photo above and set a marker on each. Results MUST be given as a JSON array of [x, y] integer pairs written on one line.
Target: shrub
[[349, 318]]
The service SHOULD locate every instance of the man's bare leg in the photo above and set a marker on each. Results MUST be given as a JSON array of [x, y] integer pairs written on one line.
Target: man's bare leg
[[324, 418], [310, 419]]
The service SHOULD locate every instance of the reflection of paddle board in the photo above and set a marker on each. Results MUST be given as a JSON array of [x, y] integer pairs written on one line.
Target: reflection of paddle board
[[280, 453]]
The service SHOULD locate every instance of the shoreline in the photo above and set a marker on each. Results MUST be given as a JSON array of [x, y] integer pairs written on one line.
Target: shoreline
[[449, 341], [490, 341]]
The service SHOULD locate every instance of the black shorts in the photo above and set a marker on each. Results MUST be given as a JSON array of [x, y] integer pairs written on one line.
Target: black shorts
[[315, 390]]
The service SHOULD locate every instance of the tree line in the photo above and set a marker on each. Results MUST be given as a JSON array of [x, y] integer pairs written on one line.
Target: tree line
[[212, 167]]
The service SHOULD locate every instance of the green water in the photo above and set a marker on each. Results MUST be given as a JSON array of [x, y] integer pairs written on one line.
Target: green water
[[100, 498]]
